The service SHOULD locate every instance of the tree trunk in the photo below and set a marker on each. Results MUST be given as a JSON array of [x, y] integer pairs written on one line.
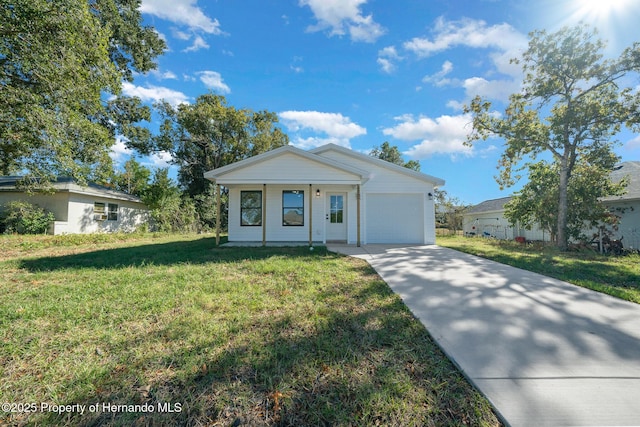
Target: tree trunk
[[563, 209]]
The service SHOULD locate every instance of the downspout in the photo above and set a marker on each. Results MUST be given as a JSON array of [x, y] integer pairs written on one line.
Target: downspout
[[264, 214], [218, 192], [358, 215], [310, 217]]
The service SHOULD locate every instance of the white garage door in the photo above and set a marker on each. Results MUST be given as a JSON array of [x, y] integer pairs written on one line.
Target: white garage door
[[395, 218]]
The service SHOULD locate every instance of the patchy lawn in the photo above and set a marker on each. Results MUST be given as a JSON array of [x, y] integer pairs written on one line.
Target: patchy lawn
[[171, 330], [614, 275]]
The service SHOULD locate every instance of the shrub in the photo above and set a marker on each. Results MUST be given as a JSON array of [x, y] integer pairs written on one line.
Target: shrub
[[25, 218]]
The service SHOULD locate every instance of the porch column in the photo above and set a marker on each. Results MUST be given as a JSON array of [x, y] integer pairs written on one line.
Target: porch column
[[264, 214], [310, 216], [218, 192], [358, 215]]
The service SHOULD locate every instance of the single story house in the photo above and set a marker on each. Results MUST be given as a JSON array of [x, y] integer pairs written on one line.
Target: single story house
[[81, 209], [328, 194], [487, 218]]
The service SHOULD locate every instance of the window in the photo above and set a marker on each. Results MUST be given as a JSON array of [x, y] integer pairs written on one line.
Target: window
[[251, 208], [336, 209], [113, 212], [99, 211], [293, 207]]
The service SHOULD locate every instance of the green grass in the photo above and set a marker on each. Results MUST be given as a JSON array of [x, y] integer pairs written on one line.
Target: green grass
[[229, 336], [614, 275]]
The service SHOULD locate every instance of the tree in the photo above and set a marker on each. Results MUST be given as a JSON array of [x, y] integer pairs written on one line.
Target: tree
[[449, 211], [392, 154], [58, 60], [566, 79], [170, 211], [210, 134], [536, 202], [134, 179]]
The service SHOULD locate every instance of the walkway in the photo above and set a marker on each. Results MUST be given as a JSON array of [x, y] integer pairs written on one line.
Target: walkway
[[544, 352]]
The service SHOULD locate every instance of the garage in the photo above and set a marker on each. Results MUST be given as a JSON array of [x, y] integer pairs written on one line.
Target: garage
[[394, 218]]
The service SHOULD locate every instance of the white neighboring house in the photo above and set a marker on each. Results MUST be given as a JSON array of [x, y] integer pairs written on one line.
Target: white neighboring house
[[487, 218], [328, 194], [81, 210]]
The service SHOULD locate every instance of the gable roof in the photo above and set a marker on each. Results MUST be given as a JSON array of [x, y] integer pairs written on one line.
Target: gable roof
[[493, 205], [68, 184], [631, 171], [378, 162], [358, 175]]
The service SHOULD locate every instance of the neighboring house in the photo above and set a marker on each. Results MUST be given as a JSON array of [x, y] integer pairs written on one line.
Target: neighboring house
[[487, 218], [79, 209], [328, 194]]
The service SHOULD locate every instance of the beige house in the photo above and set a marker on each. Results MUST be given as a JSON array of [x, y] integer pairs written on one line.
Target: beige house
[[328, 194], [81, 210]]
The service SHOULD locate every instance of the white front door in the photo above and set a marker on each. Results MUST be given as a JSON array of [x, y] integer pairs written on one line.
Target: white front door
[[336, 217]]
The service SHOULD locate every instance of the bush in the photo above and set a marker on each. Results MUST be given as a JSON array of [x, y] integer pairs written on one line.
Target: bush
[[25, 218]]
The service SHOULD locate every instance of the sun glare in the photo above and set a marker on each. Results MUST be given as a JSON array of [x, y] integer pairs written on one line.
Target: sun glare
[[599, 10]]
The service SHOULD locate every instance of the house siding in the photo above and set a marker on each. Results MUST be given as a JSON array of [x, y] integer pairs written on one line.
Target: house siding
[[288, 167], [383, 180], [629, 226], [55, 203], [329, 170]]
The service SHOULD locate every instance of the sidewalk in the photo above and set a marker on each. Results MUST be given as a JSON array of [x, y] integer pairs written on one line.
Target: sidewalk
[[544, 352]]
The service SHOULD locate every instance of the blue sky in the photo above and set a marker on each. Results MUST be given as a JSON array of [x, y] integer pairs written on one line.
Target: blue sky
[[360, 72]]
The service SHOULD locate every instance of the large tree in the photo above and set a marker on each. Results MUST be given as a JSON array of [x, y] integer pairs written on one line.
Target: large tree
[[571, 105], [61, 68], [209, 134], [392, 154]]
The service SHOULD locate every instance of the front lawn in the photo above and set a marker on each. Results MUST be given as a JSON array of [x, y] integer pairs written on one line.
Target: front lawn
[[614, 275], [169, 330]]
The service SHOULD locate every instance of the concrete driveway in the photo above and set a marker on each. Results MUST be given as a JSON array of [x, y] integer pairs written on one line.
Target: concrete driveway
[[544, 352]]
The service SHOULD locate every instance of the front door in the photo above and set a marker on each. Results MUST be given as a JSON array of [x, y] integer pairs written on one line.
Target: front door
[[336, 217]]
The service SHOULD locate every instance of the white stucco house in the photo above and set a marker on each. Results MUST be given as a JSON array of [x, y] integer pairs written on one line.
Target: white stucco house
[[328, 194], [81, 209], [487, 218]]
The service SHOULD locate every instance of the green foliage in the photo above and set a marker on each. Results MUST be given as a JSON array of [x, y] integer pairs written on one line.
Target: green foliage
[[25, 218], [537, 203], [392, 154], [134, 179], [170, 211], [210, 134], [58, 60], [449, 211], [567, 80]]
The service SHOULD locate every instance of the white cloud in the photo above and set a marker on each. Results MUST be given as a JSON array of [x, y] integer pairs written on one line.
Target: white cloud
[[184, 12], [154, 93], [119, 151], [198, 43], [387, 58], [494, 89], [213, 80], [163, 159], [633, 143], [439, 78], [167, 75], [342, 17], [503, 41], [337, 128], [468, 32], [443, 135]]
